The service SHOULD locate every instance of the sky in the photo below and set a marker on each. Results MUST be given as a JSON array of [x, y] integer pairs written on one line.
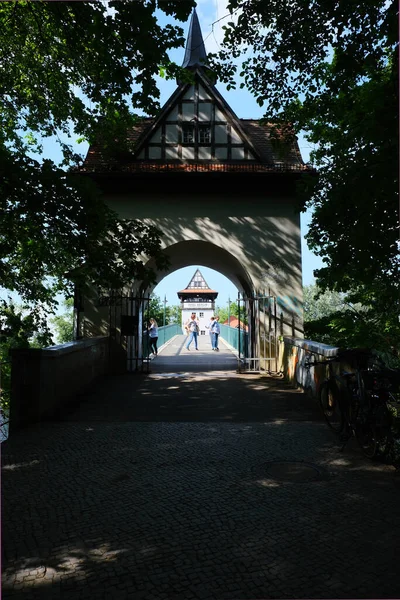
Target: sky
[[212, 16]]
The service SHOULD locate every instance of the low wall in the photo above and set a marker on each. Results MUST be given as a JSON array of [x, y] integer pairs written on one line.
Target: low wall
[[45, 380], [297, 353]]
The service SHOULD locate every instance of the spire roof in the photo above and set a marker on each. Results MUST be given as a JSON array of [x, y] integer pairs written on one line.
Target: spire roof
[[195, 54]]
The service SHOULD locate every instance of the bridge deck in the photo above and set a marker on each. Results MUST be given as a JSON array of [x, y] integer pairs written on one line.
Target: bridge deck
[[175, 358], [195, 482]]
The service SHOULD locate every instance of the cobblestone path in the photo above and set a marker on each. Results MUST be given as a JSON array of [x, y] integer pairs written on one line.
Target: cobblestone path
[[174, 486]]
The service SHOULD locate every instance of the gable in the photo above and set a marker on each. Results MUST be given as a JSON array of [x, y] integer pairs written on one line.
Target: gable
[[196, 125], [197, 282]]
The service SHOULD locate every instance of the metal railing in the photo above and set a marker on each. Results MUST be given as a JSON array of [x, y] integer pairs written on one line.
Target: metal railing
[[235, 337]]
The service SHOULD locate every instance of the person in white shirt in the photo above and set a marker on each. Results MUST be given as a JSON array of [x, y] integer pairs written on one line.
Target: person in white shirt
[[209, 327], [153, 336], [216, 329]]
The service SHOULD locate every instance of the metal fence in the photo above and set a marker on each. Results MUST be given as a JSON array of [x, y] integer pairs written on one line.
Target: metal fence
[[164, 335], [238, 338]]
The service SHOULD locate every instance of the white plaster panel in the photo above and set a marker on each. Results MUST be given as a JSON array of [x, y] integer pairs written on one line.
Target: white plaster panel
[[171, 134], [189, 95], [171, 152], [187, 153], [154, 152], [221, 136], [187, 111], [238, 153], [235, 137], [205, 111], [173, 114], [219, 116], [221, 153], [156, 137], [205, 153], [203, 94]]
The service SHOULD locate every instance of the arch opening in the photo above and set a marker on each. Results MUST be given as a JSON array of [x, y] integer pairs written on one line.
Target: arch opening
[[207, 254]]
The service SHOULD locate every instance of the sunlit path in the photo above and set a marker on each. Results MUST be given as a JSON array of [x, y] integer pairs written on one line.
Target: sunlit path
[[175, 358]]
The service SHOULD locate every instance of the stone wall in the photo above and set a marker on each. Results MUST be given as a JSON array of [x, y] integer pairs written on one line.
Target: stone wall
[[45, 381], [297, 354]]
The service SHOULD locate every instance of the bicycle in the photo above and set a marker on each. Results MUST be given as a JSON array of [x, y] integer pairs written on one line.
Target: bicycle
[[355, 403]]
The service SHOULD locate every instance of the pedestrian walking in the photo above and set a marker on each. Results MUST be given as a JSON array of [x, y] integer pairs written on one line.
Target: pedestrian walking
[[153, 336], [192, 326], [209, 327], [216, 329]]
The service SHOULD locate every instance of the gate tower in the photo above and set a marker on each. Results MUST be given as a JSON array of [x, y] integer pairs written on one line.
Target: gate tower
[[222, 192]]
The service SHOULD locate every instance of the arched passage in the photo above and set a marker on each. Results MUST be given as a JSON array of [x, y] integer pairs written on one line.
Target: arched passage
[[186, 253]]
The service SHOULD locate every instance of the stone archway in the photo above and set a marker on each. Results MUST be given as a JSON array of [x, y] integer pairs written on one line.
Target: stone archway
[[185, 253]]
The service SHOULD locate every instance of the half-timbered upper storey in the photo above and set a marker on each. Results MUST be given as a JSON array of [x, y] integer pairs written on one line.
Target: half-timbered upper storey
[[196, 126]]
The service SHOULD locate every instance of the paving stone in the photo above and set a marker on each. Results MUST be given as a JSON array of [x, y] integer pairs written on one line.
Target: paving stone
[[150, 508]]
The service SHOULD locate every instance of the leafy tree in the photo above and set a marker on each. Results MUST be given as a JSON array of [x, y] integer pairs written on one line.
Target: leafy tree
[[84, 68], [336, 319], [318, 304], [19, 328], [156, 309], [331, 70], [64, 324], [22, 328], [174, 314], [233, 312]]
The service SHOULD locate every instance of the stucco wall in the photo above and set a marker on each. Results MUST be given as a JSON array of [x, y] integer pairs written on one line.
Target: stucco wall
[[256, 231], [245, 227]]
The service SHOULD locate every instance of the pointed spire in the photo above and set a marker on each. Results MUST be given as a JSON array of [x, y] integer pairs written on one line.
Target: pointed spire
[[195, 55]]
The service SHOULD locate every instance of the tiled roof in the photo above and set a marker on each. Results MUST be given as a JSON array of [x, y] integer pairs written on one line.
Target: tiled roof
[[258, 133], [234, 322], [260, 136]]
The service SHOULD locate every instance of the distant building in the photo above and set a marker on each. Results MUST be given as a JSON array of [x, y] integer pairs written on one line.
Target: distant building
[[234, 322], [197, 297]]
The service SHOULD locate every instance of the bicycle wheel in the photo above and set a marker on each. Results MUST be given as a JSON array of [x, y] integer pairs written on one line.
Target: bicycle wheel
[[329, 400], [366, 435]]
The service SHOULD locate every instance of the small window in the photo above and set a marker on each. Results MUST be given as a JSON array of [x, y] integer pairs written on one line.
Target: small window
[[201, 315], [188, 133], [204, 134]]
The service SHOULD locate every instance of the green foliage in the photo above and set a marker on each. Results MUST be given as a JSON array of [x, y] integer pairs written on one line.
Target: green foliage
[[350, 321], [233, 312], [84, 68], [64, 324], [156, 309], [331, 70], [20, 327], [318, 304], [173, 314]]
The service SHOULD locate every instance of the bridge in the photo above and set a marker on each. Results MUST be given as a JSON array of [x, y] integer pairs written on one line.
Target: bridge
[[190, 481]]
